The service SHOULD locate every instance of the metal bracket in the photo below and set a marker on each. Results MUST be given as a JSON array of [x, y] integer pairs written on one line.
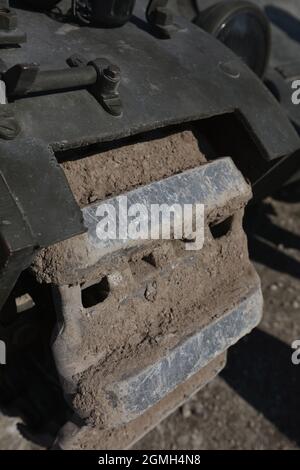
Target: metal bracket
[[99, 76], [106, 88], [9, 32]]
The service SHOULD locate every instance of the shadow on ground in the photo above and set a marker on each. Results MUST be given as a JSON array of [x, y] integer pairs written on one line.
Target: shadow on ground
[[266, 240], [259, 367], [260, 370]]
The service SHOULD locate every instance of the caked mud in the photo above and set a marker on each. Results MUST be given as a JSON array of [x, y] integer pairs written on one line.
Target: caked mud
[[113, 172]]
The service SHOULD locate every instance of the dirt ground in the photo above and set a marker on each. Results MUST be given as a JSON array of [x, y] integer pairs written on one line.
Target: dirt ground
[[255, 402]]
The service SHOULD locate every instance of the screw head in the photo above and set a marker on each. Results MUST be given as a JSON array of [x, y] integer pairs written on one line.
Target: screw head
[[229, 69], [113, 72]]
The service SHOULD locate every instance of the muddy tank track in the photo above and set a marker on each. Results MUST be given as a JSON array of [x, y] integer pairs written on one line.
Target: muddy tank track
[[140, 326]]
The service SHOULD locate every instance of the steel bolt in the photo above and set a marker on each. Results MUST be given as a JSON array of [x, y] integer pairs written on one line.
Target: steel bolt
[[113, 72], [163, 16], [8, 19]]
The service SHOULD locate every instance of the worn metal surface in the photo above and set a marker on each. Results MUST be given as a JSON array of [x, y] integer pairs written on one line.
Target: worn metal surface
[[36, 201], [212, 185], [181, 75], [123, 437], [135, 394]]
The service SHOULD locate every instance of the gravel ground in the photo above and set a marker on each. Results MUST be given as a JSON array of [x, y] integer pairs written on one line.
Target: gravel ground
[[255, 402]]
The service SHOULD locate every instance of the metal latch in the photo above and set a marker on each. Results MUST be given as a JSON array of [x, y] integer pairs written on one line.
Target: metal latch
[[99, 76]]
